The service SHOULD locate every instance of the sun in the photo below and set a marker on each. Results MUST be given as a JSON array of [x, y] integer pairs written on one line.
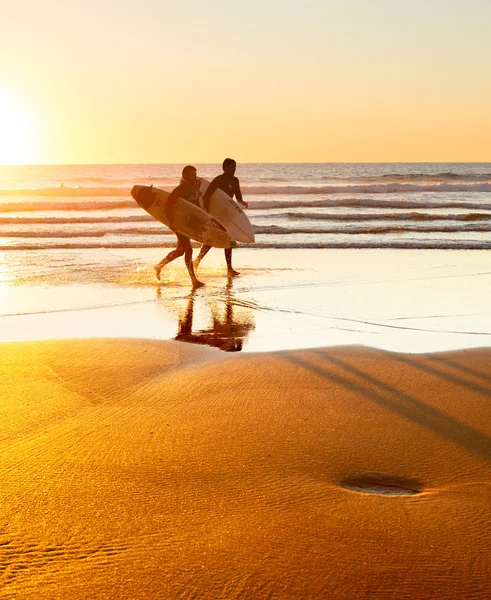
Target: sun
[[15, 132]]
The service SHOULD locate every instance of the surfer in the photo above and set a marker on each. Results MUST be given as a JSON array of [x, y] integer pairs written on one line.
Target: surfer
[[189, 190], [231, 186]]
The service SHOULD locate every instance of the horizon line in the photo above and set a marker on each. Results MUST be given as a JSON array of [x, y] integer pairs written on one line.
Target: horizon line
[[343, 162]]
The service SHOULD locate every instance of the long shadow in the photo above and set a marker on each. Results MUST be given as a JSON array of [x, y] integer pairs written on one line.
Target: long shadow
[[401, 403], [415, 362], [457, 367]]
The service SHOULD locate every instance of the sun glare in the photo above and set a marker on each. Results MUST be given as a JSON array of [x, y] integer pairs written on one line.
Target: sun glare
[[15, 133]]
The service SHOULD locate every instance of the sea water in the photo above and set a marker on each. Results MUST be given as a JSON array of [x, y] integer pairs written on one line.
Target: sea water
[[401, 257], [443, 206]]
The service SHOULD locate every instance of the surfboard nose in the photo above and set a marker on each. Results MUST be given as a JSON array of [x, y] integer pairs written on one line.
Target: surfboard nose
[[143, 194]]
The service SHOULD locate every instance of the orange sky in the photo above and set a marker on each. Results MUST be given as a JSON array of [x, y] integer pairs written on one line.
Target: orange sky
[[98, 82]]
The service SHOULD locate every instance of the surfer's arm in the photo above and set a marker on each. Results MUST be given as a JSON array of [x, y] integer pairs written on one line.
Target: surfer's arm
[[171, 200], [209, 193], [238, 194]]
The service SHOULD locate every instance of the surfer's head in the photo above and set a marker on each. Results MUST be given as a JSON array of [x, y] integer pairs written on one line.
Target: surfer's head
[[229, 165], [189, 175]]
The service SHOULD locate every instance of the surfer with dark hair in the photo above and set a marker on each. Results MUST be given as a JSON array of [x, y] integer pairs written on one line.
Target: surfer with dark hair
[[189, 190], [231, 186]]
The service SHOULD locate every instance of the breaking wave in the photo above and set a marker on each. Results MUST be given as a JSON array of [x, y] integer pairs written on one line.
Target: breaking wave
[[382, 188], [387, 216], [379, 229], [160, 230], [71, 220], [88, 205], [421, 177], [369, 188], [370, 203], [99, 205], [328, 244], [63, 191], [290, 216]]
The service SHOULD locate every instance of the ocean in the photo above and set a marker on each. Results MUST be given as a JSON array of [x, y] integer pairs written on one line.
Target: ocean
[[333, 205], [392, 256]]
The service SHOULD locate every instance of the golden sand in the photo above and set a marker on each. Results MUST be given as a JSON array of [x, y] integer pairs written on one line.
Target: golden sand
[[142, 469]]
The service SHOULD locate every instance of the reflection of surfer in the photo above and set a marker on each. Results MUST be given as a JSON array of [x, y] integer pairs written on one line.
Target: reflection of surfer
[[227, 333], [187, 189], [231, 186]]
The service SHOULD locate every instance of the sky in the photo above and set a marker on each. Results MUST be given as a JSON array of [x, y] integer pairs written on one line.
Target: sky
[[153, 81]]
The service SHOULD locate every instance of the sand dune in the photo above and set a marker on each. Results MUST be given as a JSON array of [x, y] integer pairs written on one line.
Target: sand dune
[[142, 469]]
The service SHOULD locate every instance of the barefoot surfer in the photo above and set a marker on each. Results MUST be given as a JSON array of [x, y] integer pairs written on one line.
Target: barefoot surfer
[[231, 186], [187, 189]]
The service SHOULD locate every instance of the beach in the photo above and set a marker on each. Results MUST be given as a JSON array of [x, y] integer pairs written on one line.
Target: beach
[[339, 448], [151, 469], [318, 427], [303, 412]]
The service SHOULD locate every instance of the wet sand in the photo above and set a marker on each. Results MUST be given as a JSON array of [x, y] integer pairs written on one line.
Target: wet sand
[[153, 469], [400, 300]]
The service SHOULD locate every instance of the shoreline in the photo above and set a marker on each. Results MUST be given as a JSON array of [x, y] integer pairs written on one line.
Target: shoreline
[[406, 302]]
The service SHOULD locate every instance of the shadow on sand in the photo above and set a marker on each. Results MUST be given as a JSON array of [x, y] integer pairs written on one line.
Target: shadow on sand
[[400, 402]]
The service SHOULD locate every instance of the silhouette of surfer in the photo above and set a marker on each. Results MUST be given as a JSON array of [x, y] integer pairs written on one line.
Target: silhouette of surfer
[[231, 186], [189, 190], [227, 332]]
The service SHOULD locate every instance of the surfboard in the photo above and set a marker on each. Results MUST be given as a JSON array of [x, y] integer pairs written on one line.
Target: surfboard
[[229, 213], [186, 218]]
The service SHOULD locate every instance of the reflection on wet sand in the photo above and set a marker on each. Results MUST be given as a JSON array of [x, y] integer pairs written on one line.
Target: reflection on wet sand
[[230, 325]]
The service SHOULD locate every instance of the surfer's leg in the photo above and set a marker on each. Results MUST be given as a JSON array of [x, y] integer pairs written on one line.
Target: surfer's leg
[[202, 253], [188, 259], [179, 251], [228, 258]]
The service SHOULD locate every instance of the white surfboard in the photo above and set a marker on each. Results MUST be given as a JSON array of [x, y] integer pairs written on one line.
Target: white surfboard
[[229, 213], [186, 218]]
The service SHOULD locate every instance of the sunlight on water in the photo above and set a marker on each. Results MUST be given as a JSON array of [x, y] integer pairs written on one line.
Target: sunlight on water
[[77, 258], [396, 300], [290, 206], [5, 270]]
